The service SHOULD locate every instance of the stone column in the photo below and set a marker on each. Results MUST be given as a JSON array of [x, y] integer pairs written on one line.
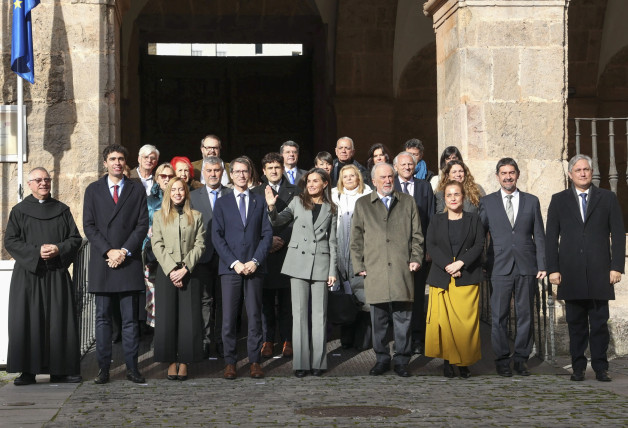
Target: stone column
[[502, 80]]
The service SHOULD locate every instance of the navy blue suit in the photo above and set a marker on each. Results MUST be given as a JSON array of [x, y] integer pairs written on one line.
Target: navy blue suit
[[235, 241], [424, 197], [107, 226]]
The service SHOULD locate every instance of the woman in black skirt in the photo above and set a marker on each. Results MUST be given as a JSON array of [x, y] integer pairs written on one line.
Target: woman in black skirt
[[178, 243]]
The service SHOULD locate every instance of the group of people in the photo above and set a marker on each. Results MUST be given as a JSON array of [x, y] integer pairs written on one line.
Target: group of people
[[183, 246]]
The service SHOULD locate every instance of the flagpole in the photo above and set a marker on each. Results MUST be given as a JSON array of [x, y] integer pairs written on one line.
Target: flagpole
[[20, 137]]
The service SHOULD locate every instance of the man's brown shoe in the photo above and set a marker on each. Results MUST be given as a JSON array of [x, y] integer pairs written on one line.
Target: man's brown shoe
[[287, 349], [256, 371], [267, 349], [230, 372]]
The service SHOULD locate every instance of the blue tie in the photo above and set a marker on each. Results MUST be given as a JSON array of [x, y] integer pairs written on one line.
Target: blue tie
[[214, 197], [584, 205], [385, 200], [243, 208], [291, 174]]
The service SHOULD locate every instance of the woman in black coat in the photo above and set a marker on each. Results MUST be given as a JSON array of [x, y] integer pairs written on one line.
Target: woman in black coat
[[455, 240]]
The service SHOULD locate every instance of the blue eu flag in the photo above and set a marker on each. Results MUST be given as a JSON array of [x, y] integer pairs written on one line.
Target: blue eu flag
[[22, 42]]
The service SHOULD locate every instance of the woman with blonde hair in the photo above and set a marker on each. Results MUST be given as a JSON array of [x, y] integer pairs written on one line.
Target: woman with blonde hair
[[349, 189], [457, 170], [178, 242]]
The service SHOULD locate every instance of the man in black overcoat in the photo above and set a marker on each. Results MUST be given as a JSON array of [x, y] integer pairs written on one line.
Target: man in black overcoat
[[43, 239], [115, 220], [585, 264]]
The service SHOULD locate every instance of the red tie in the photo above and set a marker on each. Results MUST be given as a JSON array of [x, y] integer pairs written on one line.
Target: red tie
[[115, 194]]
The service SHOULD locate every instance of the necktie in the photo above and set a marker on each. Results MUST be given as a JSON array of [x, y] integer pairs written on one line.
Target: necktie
[[405, 187], [243, 208], [291, 175], [115, 194], [509, 210], [214, 197], [584, 205], [385, 200]]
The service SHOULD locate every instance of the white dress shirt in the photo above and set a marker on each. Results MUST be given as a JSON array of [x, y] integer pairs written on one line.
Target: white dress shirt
[[515, 201]]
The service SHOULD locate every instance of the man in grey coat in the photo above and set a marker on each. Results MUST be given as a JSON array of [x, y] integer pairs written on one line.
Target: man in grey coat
[[516, 258], [387, 248]]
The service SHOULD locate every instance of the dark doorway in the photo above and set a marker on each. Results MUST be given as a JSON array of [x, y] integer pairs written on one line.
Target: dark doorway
[[252, 103]]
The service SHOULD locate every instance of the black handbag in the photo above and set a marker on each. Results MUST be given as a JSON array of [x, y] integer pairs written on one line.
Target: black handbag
[[342, 308]]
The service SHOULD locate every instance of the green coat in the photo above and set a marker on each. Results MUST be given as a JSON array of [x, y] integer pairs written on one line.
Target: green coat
[[171, 246], [383, 243]]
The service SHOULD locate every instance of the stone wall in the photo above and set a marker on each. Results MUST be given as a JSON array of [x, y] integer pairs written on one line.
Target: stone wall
[[71, 108]]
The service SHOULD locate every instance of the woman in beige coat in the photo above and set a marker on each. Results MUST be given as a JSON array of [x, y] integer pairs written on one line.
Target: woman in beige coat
[[178, 242], [311, 265]]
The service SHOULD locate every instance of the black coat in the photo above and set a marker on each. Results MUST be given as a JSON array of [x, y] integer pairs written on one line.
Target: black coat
[[199, 201], [581, 251], [109, 225], [424, 198], [439, 248]]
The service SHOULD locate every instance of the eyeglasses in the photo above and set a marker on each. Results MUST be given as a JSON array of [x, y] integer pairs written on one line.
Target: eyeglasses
[[240, 172], [39, 180], [211, 148], [164, 176]]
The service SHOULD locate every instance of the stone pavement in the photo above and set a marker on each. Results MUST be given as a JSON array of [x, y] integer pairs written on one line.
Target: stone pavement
[[344, 396]]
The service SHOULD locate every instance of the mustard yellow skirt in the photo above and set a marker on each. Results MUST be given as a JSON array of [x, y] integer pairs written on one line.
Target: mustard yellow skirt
[[452, 329]]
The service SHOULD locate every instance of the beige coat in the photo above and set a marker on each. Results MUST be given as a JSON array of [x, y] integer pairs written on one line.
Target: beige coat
[[171, 247], [383, 243]]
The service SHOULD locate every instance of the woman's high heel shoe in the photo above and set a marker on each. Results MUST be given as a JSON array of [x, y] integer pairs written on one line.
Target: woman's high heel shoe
[[448, 370], [171, 368], [185, 375]]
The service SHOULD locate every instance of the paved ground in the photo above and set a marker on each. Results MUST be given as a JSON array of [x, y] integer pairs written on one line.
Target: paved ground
[[345, 396]]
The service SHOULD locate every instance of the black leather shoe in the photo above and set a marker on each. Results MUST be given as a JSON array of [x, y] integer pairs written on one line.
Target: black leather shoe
[[220, 350], [448, 370], [379, 369], [300, 373], [578, 375], [464, 372], [602, 376], [402, 370], [103, 377], [503, 370], [317, 372], [66, 378], [521, 368], [24, 379], [134, 376], [418, 348]]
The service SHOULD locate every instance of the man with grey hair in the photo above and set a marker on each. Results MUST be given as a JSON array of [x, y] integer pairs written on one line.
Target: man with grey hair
[[203, 200], [147, 160], [585, 264], [344, 156], [43, 334], [290, 153], [386, 249]]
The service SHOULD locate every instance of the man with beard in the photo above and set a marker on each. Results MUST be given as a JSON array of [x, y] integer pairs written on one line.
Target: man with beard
[[516, 259], [43, 239]]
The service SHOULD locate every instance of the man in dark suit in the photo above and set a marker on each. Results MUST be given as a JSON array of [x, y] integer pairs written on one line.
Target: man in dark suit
[[290, 153], [423, 195], [203, 200], [344, 156], [115, 220], [242, 237], [516, 261], [584, 264], [276, 301]]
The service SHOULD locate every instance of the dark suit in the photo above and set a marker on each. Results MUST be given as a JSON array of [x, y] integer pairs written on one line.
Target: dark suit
[[108, 225], [424, 198], [582, 253], [276, 292], [337, 166], [515, 255], [233, 242], [300, 173], [206, 269]]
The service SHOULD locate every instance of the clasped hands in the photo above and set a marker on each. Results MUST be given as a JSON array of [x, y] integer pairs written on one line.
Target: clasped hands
[[176, 276], [48, 251], [453, 269], [115, 258], [244, 269]]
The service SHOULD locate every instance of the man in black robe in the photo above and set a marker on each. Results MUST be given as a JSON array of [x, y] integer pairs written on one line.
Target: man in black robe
[[43, 239]]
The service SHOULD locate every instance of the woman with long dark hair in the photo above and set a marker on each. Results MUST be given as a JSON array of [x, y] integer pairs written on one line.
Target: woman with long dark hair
[[311, 265], [178, 243]]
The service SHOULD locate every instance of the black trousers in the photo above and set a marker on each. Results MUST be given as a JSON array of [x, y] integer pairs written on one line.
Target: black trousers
[[277, 309], [587, 321], [178, 320], [211, 300], [130, 329], [418, 306]]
